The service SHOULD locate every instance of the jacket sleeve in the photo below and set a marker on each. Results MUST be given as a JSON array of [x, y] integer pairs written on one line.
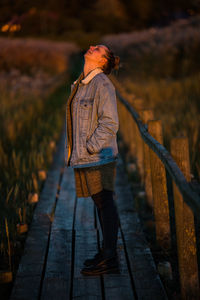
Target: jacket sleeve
[[108, 122]]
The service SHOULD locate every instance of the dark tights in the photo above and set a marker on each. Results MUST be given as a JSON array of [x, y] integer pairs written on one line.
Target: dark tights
[[108, 217]]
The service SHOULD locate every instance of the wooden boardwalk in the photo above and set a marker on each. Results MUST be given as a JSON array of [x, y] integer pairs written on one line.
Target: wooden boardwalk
[[65, 231]]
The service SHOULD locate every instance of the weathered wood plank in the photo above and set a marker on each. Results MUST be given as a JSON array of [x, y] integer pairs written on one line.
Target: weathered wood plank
[[145, 276], [118, 286], [49, 191], [85, 287], [159, 189], [31, 265], [65, 205], [84, 214], [57, 279], [185, 226], [27, 282]]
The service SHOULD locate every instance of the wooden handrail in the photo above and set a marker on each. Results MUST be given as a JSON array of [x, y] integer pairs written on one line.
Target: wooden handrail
[[189, 195]]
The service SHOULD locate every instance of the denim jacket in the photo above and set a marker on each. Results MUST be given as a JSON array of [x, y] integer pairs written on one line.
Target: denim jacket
[[95, 122]]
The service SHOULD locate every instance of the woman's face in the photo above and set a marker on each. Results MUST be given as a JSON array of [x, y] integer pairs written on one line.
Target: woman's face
[[96, 54]]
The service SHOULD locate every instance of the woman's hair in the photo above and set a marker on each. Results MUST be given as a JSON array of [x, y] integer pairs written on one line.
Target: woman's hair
[[111, 63]]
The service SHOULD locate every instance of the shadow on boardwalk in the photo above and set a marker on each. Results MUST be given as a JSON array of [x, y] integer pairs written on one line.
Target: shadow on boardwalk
[[65, 231]]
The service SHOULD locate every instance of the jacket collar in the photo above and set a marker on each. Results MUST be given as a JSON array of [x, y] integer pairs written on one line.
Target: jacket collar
[[90, 75]]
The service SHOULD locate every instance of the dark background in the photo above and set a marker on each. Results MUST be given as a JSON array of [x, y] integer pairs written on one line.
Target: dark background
[[60, 19]]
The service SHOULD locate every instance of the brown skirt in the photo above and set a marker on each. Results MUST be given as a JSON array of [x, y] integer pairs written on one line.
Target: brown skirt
[[92, 180]]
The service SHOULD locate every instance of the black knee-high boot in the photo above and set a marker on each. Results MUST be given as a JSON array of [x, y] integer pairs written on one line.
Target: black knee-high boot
[[109, 216]]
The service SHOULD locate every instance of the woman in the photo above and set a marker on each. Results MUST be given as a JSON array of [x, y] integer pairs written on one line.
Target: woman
[[91, 148]]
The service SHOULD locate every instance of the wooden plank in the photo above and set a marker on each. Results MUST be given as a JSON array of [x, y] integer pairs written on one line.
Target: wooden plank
[[118, 286], [49, 191], [145, 276], [57, 279], [85, 287], [84, 214], [65, 205], [31, 265]]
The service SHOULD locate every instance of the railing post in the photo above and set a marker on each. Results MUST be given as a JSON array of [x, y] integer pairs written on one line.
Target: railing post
[[138, 105], [147, 115], [129, 136], [121, 111], [127, 128], [159, 189], [185, 230], [132, 136]]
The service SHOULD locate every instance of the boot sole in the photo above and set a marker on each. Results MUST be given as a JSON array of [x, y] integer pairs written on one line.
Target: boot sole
[[91, 263], [114, 270], [97, 261]]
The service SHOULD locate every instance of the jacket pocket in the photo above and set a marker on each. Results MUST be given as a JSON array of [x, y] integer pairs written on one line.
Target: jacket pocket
[[86, 105], [83, 153]]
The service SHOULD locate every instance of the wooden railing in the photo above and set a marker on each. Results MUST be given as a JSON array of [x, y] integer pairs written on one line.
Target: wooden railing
[[143, 137]]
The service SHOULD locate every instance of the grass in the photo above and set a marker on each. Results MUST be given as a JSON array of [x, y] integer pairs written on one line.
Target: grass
[[28, 138], [161, 66], [172, 51], [176, 103], [29, 54], [32, 98]]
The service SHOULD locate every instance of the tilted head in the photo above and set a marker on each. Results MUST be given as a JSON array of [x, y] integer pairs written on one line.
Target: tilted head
[[103, 57]]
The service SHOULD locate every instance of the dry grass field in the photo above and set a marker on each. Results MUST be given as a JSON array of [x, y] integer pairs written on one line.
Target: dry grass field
[[162, 65], [34, 84], [176, 103], [28, 55]]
